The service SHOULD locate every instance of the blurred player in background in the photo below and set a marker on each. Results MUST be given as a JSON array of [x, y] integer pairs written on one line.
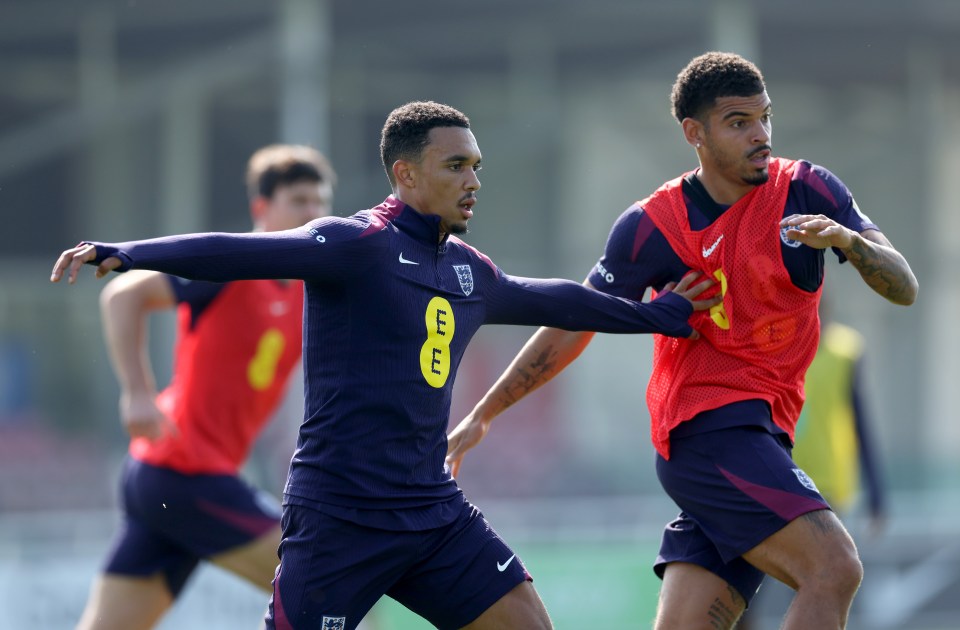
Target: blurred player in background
[[393, 298], [834, 436], [723, 408], [237, 344]]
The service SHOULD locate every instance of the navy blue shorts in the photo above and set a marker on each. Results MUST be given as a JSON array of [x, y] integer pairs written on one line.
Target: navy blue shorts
[[735, 487], [333, 571], [171, 521]]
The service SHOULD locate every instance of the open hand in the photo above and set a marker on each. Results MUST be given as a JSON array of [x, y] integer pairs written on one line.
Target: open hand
[[465, 436], [72, 259]]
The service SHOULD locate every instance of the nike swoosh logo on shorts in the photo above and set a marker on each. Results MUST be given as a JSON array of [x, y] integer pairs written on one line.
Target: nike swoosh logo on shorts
[[407, 262], [707, 251], [503, 567]]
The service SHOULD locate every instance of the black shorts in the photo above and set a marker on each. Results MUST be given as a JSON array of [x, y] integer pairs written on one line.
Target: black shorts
[[171, 521], [333, 571]]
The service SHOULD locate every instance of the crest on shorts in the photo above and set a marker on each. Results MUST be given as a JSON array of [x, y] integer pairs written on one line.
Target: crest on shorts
[[805, 480], [465, 276], [334, 623]]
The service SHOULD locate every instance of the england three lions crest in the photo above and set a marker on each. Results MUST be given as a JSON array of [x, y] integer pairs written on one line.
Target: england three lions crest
[[465, 276]]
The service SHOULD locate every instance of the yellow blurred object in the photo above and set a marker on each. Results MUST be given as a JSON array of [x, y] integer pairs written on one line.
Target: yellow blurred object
[[826, 446]]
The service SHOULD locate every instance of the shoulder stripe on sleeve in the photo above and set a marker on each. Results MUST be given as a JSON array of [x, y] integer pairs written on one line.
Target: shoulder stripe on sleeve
[[645, 228], [808, 176], [476, 252], [380, 216]]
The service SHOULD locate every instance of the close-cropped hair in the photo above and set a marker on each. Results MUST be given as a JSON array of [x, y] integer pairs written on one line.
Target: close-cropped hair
[[406, 131], [283, 164], [711, 76]]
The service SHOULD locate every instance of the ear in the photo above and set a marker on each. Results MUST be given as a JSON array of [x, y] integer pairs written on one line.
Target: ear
[[693, 132], [404, 174], [258, 208]]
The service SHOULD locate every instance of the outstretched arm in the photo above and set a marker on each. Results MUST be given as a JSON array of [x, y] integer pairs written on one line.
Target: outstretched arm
[[558, 303], [544, 356], [881, 266], [212, 256], [125, 304]]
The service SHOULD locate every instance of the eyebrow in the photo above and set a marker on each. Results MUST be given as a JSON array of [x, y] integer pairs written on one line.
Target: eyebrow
[[461, 158], [766, 110]]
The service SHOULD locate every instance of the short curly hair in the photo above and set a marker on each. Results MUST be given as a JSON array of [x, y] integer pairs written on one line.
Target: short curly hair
[[711, 76], [406, 131]]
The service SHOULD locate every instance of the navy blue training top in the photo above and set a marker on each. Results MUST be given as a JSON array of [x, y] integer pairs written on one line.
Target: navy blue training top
[[389, 311]]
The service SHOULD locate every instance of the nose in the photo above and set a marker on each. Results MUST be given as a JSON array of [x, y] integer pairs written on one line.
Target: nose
[[762, 133], [473, 181]]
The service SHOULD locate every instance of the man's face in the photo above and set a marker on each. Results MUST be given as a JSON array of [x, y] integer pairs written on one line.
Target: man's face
[[737, 139], [446, 180], [294, 204]]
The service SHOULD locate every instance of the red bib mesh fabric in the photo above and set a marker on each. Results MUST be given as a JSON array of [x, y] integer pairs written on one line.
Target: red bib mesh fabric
[[759, 345]]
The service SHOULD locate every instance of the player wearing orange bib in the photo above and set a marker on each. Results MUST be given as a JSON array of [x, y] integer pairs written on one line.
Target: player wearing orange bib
[[724, 407]]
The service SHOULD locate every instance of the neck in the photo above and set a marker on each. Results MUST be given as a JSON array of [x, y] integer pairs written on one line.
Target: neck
[[410, 201], [722, 190]]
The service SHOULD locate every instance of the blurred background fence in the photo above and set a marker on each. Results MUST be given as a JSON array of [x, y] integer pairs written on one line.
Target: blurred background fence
[[128, 119]]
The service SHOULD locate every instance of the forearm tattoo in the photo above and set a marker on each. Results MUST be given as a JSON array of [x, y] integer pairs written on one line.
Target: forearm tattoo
[[530, 376], [883, 269]]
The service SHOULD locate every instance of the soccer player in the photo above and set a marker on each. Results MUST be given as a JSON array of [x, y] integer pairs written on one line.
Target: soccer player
[[723, 409], [237, 343], [393, 296]]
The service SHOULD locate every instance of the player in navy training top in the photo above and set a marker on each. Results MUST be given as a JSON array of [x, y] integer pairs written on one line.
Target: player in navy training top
[[723, 409], [392, 300]]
